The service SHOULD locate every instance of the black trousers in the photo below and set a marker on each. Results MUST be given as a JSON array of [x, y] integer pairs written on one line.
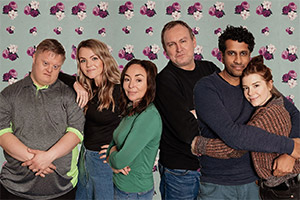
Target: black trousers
[[4, 194], [287, 190]]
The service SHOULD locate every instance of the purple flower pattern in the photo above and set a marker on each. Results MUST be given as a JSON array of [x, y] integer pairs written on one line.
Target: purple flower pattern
[[57, 30], [264, 9], [102, 32], [290, 78], [31, 50], [174, 10], [217, 10], [195, 10], [217, 53], [11, 10], [127, 10], [290, 30], [58, 11], [148, 9], [32, 9], [265, 31], [290, 10], [290, 53], [73, 54], [10, 77], [243, 10], [11, 29], [101, 10], [126, 29], [126, 52], [80, 11], [149, 31], [10, 52], [267, 51], [151, 51]]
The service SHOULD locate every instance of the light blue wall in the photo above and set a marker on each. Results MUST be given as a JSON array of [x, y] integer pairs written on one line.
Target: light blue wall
[[117, 39]]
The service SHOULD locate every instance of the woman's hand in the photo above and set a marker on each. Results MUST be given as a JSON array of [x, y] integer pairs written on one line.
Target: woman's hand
[[124, 171], [103, 151], [283, 165], [82, 95]]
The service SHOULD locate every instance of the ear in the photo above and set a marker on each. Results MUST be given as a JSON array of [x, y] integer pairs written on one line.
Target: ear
[[33, 57], [222, 56], [194, 42], [270, 85]]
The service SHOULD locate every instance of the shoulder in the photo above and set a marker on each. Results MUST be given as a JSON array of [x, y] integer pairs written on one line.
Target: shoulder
[[208, 65], [150, 113], [65, 90], [15, 87], [209, 80]]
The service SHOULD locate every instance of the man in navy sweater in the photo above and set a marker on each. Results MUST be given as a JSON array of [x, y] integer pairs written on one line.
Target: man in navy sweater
[[223, 112]]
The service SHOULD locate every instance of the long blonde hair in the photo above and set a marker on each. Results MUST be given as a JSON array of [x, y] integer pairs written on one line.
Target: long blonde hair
[[110, 74]]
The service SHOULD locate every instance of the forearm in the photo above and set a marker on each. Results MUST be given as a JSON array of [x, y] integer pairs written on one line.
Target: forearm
[[65, 145], [215, 148], [14, 147]]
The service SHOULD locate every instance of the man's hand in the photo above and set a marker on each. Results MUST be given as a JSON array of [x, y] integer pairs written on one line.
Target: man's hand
[[283, 165], [40, 162], [103, 151], [82, 95], [48, 170], [296, 152]]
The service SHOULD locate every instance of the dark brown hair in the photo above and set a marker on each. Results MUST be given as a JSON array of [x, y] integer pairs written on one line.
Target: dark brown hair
[[256, 66], [51, 45], [151, 71], [170, 25]]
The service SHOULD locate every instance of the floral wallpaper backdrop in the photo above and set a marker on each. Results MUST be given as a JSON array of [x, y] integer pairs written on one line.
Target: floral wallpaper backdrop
[[131, 29]]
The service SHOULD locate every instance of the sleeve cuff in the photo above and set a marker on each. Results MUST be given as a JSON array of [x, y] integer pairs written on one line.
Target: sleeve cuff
[[74, 130], [6, 130]]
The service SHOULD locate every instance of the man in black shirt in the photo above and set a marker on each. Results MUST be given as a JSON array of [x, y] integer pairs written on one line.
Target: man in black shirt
[[174, 99]]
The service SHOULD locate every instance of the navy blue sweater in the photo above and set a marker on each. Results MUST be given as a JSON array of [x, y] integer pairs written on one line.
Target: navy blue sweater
[[222, 113]]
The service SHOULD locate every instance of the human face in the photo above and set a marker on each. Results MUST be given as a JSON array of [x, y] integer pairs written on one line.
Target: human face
[[235, 58], [45, 67], [90, 64], [256, 90], [180, 47], [135, 83]]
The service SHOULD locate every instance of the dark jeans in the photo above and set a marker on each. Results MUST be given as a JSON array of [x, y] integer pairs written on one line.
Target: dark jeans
[[4, 194]]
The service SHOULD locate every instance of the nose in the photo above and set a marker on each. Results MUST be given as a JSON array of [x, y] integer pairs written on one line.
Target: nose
[[238, 59], [49, 68], [250, 92], [178, 48], [131, 84]]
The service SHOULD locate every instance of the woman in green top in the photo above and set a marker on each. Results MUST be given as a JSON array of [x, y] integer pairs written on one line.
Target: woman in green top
[[135, 143]]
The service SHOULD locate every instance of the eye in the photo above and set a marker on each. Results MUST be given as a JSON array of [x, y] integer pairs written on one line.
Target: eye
[[182, 41], [139, 80], [45, 63], [245, 88], [82, 61], [95, 58], [170, 45], [244, 53], [256, 85], [126, 79], [55, 67], [230, 53]]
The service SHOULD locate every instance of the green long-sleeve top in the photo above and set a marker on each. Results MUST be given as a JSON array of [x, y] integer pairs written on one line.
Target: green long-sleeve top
[[137, 139]]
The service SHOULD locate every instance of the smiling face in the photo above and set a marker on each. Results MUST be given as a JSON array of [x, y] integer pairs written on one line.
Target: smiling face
[[236, 57], [45, 67], [256, 90], [135, 83], [90, 64], [179, 46]]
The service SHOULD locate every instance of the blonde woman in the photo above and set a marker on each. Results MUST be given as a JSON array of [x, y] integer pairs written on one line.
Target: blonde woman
[[99, 75]]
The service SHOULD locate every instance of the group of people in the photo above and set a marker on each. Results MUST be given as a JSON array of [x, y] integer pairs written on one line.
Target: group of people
[[221, 134]]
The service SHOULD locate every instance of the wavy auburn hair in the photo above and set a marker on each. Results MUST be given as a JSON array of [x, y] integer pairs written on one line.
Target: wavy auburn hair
[[110, 74], [151, 71]]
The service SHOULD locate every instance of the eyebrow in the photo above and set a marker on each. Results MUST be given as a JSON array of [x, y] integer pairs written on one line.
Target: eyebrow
[[135, 75], [90, 56]]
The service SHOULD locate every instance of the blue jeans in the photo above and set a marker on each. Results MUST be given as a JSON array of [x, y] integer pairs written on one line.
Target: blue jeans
[[210, 191], [178, 183], [120, 195], [95, 177]]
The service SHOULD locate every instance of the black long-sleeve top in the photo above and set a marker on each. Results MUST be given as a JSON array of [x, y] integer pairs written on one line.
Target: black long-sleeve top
[[99, 125], [174, 101]]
